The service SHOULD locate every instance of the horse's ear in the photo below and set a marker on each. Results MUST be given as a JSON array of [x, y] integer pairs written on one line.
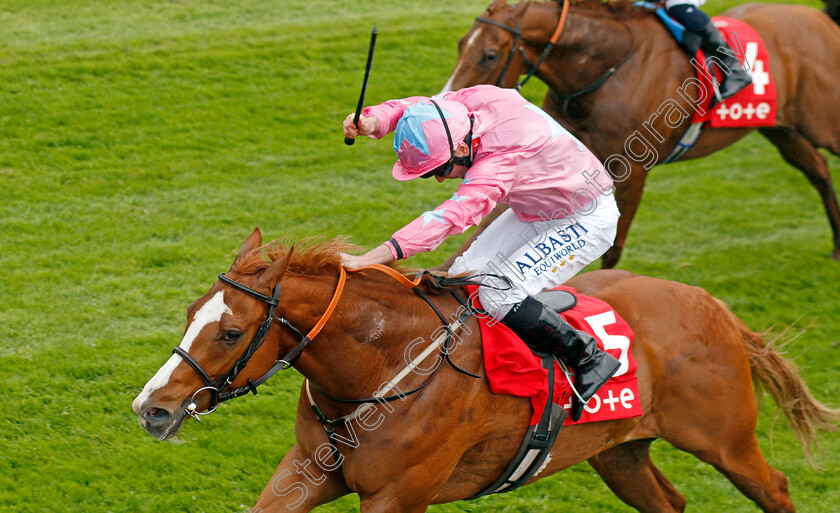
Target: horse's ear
[[496, 5], [251, 243], [519, 9], [271, 276]]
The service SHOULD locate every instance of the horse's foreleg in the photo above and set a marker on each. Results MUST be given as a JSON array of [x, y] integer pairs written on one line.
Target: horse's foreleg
[[628, 195], [415, 482], [629, 472], [409, 491], [299, 485], [392, 505], [801, 154]]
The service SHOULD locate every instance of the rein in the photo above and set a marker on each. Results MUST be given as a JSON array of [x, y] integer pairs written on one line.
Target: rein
[[445, 342], [216, 386], [517, 33], [595, 84], [442, 342], [566, 99]]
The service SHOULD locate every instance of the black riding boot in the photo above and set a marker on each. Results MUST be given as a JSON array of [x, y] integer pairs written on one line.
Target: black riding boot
[[714, 44], [545, 331]]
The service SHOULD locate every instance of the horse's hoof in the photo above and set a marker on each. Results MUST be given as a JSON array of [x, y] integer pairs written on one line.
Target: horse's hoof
[[836, 254]]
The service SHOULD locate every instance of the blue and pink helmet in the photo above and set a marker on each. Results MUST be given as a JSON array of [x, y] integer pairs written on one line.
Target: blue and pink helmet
[[425, 136]]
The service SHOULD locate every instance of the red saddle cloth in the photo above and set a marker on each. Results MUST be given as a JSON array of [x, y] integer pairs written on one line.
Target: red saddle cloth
[[513, 369], [754, 105]]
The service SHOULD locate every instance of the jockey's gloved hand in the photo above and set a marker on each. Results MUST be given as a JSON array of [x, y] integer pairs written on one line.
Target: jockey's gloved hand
[[366, 126], [379, 255]]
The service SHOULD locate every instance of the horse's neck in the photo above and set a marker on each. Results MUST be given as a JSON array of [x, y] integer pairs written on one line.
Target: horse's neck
[[592, 41], [649, 67], [364, 342]]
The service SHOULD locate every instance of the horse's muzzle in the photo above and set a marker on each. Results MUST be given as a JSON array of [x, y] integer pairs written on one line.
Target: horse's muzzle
[[156, 417], [161, 423]]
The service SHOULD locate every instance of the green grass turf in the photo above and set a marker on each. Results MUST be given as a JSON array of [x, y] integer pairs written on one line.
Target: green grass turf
[[142, 141]]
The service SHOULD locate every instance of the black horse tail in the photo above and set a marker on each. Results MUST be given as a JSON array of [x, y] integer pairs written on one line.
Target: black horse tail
[[832, 8]]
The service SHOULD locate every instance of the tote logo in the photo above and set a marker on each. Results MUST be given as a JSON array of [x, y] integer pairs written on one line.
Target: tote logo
[[735, 111]]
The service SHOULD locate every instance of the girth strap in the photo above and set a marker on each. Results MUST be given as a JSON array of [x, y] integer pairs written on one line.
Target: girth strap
[[536, 444]]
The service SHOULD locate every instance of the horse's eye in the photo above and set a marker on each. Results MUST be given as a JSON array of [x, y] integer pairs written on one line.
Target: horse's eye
[[490, 56], [231, 336]]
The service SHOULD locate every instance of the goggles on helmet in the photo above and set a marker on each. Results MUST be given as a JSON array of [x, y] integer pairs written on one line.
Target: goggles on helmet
[[446, 168]]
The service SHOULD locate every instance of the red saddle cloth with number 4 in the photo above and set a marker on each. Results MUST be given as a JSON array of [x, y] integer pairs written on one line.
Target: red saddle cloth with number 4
[[754, 105], [513, 369]]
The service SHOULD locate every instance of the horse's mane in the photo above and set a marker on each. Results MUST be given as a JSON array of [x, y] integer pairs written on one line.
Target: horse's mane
[[624, 8], [310, 255]]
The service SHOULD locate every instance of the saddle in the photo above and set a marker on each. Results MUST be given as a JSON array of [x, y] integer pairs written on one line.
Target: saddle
[[557, 300], [539, 438], [513, 368]]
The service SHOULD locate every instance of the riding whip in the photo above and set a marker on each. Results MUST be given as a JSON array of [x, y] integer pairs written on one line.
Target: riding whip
[[347, 140]]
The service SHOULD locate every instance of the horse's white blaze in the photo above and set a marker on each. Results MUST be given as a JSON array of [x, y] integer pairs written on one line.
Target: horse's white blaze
[[209, 312], [448, 86]]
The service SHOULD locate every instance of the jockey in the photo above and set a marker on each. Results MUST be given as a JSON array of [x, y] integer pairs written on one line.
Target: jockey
[[562, 213], [689, 15]]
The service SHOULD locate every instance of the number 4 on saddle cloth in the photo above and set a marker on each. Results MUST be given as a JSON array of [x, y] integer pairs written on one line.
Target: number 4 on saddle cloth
[[753, 106], [513, 369]]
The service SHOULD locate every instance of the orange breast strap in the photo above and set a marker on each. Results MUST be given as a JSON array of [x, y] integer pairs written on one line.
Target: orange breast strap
[[339, 289]]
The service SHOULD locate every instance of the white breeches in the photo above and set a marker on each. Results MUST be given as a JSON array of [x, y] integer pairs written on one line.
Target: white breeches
[[536, 255]]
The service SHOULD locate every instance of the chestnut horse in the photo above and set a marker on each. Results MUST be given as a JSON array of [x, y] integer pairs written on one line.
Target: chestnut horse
[[613, 66], [696, 366]]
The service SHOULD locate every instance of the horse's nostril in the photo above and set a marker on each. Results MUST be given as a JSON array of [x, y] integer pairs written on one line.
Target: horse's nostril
[[156, 416]]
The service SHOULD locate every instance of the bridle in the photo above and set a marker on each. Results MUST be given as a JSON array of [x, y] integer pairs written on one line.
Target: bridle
[[517, 34], [566, 99], [218, 385], [444, 343]]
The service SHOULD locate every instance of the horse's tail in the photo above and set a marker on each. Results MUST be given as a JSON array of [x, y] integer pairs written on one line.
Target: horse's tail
[[780, 377]]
